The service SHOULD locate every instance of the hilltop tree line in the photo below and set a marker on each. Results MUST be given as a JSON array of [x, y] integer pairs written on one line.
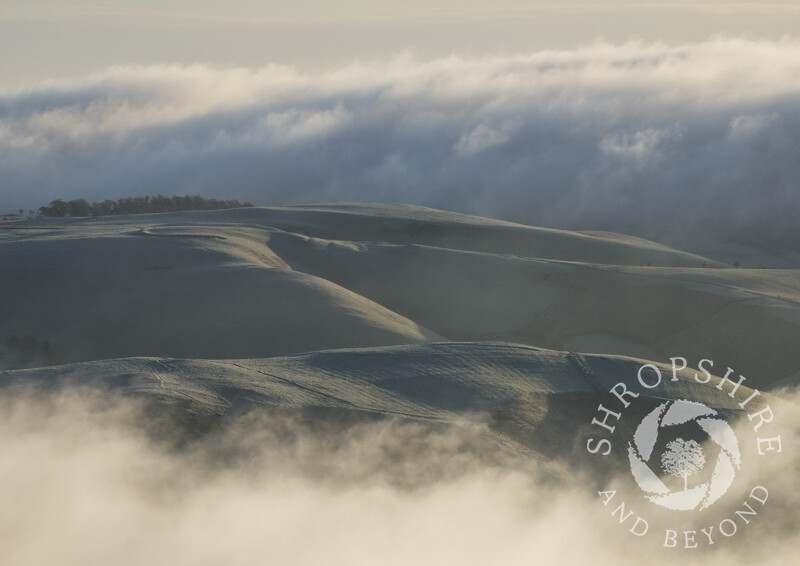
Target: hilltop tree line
[[136, 205]]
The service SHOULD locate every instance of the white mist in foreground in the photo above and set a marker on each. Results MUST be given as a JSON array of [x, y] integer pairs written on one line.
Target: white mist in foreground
[[81, 483]]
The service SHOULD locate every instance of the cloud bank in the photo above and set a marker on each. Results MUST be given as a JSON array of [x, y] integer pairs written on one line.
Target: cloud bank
[[84, 483], [639, 138]]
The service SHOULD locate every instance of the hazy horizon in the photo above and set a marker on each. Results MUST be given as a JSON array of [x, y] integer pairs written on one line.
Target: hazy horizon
[[516, 110], [618, 137], [48, 39]]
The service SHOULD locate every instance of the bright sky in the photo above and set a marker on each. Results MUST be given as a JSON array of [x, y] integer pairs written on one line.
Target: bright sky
[[49, 39]]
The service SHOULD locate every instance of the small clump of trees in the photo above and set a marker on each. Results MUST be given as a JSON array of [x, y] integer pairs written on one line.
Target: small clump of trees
[[136, 205]]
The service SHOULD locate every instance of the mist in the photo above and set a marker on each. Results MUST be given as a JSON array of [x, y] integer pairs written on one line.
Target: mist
[[639, 137], [89, 473]]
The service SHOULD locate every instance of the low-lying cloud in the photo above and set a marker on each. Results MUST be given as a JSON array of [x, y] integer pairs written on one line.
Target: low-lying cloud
[[86, 480], [641, 138]]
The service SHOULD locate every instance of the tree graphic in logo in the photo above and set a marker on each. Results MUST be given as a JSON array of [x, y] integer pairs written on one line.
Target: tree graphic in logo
[[683, 458]]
